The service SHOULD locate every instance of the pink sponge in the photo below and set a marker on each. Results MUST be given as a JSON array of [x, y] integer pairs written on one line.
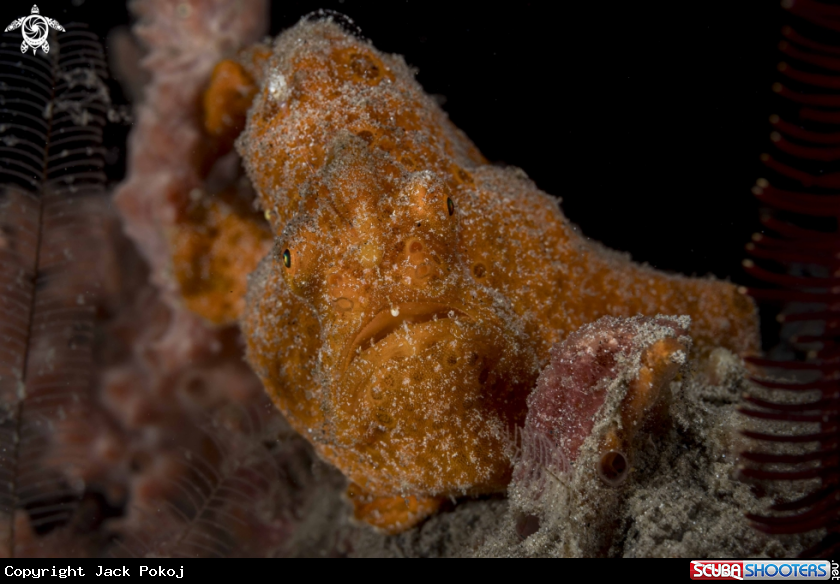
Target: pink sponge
[[609, 373]]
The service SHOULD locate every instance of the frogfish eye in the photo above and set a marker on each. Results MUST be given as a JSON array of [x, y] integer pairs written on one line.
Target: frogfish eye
[[287, 258], [450, 205]]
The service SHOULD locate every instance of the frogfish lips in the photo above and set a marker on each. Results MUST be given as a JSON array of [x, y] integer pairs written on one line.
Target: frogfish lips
[[392, 320], [410, 370]]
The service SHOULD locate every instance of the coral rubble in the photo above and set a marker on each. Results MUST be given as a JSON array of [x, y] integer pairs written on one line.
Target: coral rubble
[[675, 492]]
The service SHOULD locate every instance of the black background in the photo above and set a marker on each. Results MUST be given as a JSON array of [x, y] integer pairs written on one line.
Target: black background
[[648, 119]]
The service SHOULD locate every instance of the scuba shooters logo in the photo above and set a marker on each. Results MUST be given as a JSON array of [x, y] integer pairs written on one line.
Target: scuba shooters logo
[[764, 570], [717, 570], [35, 29]]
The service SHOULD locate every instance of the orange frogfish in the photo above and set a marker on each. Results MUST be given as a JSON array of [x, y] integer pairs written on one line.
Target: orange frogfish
[[413, 290]]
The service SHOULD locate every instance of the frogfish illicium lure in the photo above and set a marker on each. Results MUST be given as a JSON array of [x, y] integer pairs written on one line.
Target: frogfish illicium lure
[[413, 290]]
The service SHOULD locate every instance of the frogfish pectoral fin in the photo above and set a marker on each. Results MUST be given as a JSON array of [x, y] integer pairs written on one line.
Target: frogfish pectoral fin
[[391, 514]]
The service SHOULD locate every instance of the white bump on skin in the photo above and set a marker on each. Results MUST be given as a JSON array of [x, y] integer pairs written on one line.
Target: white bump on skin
[[277, 86]]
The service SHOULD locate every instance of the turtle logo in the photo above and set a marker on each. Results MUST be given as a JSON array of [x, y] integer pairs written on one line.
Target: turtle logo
[[35, 30]]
